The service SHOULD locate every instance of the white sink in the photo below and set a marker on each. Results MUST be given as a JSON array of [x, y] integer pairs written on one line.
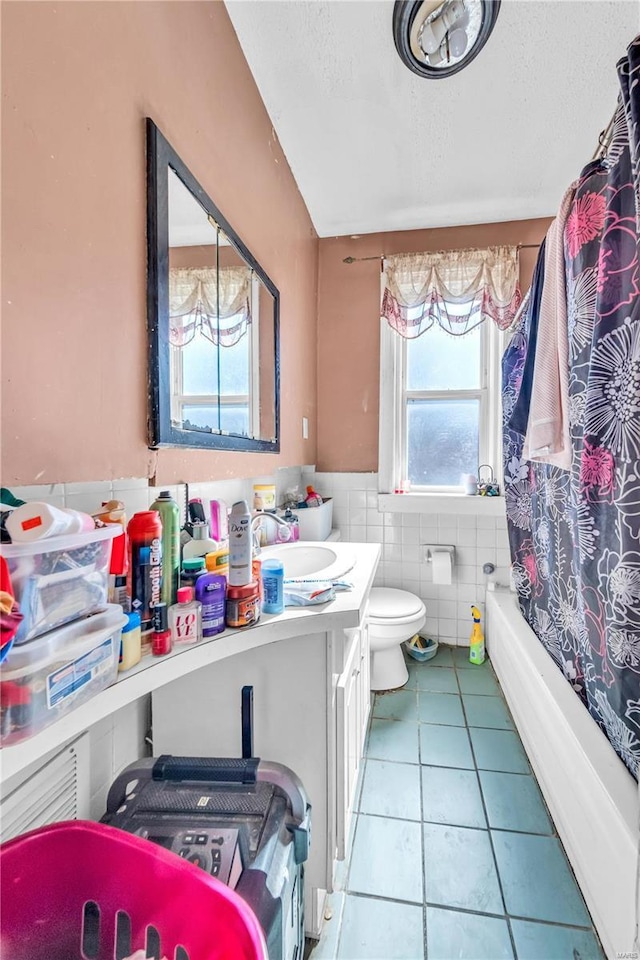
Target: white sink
[[308, 559]]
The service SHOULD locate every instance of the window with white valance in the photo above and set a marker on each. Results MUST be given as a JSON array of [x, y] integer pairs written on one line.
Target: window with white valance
[[210, 301], [214, 348], [456, 289], [439, 364]]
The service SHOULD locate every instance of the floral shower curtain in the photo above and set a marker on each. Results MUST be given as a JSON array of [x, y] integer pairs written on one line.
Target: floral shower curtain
[[575, 534]]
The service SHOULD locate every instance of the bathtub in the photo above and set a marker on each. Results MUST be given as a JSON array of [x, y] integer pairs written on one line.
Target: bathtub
[[592, 797]]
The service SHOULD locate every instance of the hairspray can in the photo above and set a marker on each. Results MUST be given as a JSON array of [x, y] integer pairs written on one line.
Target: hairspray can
[[144, 584], [169, 516]]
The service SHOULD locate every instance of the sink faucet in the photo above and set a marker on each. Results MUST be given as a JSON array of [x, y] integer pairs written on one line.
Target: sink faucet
[[257, 521]]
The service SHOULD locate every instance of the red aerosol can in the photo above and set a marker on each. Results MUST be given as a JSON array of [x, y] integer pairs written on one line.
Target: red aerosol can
[[144, 579]]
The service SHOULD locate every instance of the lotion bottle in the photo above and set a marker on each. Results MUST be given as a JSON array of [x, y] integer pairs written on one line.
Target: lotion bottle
[[185, 618], [201, 543], [240, 546]]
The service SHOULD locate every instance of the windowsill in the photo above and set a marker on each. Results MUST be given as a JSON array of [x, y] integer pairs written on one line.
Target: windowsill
[[456, 503]]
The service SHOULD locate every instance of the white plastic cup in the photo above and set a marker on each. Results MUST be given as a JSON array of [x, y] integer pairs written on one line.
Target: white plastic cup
[[469, 482]]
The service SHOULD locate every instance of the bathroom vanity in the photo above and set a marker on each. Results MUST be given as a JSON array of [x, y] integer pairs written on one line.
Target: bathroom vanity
[[309, 668], [311, 710]]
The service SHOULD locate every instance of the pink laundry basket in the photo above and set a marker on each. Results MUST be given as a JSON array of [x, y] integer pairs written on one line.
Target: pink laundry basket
[[85, 891]]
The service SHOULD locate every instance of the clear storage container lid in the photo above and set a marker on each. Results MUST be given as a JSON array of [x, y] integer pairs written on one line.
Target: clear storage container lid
[[65, 643], [72, 541]]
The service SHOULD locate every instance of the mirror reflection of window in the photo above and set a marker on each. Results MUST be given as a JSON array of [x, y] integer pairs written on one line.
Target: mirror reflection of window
[[215, 335]]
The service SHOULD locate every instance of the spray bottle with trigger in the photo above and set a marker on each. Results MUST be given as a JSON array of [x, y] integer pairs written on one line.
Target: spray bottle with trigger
[[476, 643]]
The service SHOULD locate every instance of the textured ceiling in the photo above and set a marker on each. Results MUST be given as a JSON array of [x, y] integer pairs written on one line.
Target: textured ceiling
[[373, 147]]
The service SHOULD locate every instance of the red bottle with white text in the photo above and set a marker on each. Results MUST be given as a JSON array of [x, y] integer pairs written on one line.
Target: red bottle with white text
[[144, 578], [185, 618]]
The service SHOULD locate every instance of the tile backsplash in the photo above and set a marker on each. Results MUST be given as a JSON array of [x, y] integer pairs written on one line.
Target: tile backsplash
[[121, 739], [137, 494], [478, 540]]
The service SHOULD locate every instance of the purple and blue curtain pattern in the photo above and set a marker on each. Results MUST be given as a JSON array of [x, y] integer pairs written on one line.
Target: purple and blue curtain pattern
[[575, 535]]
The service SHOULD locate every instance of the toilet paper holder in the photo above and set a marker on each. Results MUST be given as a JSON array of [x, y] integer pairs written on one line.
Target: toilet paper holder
[[431, 548]]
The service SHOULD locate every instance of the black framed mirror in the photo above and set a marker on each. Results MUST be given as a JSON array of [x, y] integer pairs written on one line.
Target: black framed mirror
[[213, 319]]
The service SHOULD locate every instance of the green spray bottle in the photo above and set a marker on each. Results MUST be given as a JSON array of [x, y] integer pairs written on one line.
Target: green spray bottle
[[476, 643], [170, 519]]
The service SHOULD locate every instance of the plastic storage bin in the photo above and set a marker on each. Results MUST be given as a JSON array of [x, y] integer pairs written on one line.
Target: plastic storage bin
[[428, 653], [59, 580], [315, 522], [54, 674], [87, 890]]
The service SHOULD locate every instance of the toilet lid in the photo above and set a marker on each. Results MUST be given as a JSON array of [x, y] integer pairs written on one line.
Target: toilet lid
[[387, 603]]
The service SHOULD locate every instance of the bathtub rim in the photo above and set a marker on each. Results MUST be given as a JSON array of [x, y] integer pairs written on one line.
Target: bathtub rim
[[565, 745]]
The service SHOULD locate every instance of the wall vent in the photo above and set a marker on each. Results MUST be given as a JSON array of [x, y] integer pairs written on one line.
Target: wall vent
[[58, 790]]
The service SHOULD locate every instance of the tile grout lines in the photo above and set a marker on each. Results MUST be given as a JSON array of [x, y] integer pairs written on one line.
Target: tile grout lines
[[493, 851], [477, 770]]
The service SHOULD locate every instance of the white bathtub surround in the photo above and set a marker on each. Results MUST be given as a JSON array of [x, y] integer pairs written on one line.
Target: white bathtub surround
[[592, 797], [479, 537]]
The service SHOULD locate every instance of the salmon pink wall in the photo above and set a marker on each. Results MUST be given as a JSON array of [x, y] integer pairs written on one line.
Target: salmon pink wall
[[349, 328], [78, 80]]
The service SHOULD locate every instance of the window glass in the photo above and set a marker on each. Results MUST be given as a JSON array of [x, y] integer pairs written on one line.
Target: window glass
[[439, 361], [234, 418], [199, 367], [442, 441], [234, 368]]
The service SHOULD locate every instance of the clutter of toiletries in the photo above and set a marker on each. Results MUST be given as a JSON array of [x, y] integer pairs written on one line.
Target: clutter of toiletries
[[83, 597]]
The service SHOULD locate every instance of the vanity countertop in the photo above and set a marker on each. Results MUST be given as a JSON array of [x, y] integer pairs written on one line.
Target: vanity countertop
[[344, 612]]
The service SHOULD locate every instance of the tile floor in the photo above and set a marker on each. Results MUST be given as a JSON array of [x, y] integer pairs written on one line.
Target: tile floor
[[454, 855]]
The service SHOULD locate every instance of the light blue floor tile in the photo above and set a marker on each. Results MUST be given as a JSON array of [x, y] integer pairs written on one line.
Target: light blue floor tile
[[440, 708], [444, 656], [459, 869], [536, 879], [498, 750], [438, 679], [327, 946], [452, 796], [379, 930], [386, 859], [393, 740], [486, 712], [443, 746], [536, 940], [465, 936], [478, 681], [401, 705], [514, 802], [391, 790]]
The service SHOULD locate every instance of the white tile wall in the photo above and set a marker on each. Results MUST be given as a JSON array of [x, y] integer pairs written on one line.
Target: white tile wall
[[478, 540], [136, 494]]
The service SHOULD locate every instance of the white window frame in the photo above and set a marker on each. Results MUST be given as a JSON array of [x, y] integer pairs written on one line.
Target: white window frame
[[393, 407], [252, 399]]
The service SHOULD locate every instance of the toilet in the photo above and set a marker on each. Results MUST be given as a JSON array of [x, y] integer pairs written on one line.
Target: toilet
[[394, 616]]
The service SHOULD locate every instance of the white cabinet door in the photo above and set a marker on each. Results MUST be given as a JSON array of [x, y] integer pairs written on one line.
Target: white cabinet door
[[365, 685], [349, 738]]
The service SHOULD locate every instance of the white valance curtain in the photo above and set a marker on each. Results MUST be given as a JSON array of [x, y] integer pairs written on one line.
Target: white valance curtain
[[456, 289], [215, 302]]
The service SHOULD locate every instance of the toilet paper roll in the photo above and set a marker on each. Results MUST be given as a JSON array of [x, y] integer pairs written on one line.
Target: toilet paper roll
[[441, 566]]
